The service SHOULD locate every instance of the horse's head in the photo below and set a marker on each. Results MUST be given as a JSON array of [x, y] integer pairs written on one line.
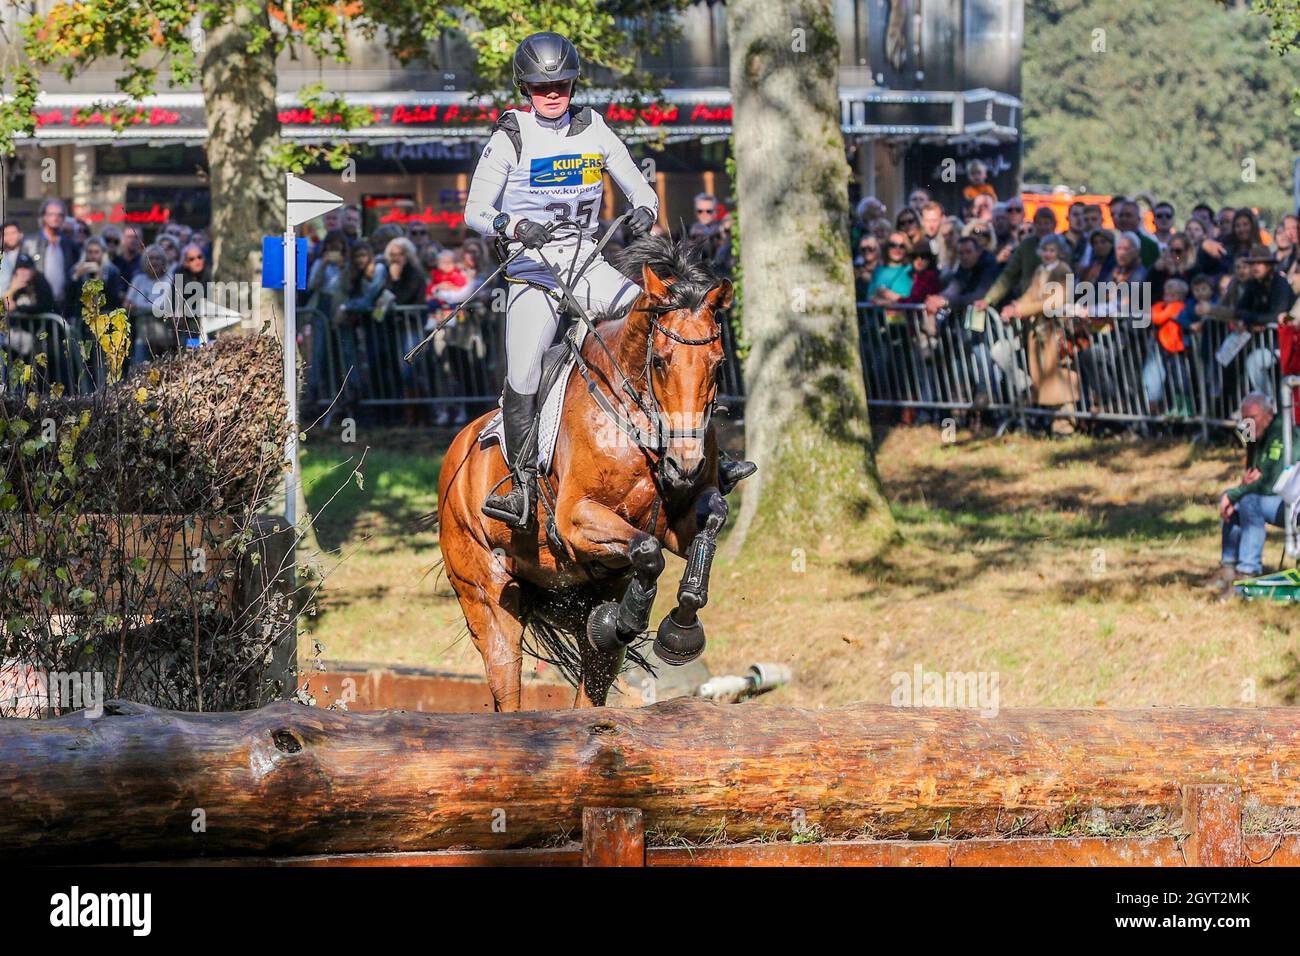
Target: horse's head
[[682, 352]]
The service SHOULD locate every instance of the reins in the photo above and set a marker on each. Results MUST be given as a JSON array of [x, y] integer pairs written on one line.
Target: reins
[[614, 405]]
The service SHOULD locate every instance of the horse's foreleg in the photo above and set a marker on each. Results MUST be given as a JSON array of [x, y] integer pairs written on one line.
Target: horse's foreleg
[[597, 534], [680, 638]]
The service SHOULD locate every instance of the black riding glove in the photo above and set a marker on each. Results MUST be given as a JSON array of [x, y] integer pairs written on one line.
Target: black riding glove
[[641, 220], [531, 234]]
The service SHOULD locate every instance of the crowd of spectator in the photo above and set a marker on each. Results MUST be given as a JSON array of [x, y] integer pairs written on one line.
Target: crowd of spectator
[[369, 299], [1006, 285], [45, 273], [981, 271]]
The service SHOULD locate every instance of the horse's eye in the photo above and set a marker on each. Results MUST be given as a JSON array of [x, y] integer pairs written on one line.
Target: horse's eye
[[660, 363]]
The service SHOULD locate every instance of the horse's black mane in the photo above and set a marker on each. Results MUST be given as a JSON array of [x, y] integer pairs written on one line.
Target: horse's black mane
[[678, 262]]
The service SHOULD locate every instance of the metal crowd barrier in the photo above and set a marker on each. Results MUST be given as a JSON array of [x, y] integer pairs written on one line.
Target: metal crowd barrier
[[360, 361], [1109, 369], [1118, 372], [50, 346]]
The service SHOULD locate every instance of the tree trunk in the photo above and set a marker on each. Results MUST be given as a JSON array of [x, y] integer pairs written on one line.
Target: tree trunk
[[805, 415], [247, 188], [139, 783]]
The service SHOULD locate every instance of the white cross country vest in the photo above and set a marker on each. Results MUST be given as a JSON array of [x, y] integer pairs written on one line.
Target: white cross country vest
[[559, 170], [558, 174], [543, 170]]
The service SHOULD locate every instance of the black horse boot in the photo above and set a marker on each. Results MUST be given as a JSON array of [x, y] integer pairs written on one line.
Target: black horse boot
[[731, 472], [520, 420]]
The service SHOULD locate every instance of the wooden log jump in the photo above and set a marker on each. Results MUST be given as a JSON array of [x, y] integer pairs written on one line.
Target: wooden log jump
[[294, 781]]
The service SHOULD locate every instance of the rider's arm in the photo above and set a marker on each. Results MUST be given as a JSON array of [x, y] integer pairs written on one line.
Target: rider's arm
[[488, 185], [624, 171]]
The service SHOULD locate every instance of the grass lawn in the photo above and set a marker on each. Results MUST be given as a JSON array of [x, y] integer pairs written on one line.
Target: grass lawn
[[1069, 568]]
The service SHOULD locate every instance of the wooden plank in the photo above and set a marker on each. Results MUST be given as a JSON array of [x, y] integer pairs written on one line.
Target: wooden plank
[[1272, 849], [363, 688], [1068, 851], [1212, 823], [1160, 851], [167, 542], [612, 836], [830, 853], [541, 856]]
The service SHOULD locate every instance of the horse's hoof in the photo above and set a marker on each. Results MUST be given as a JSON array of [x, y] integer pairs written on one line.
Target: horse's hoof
[[676, 644], [602, 628]]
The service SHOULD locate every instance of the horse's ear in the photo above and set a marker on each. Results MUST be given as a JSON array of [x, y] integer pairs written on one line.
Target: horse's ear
[[719, 297], [654, 287]]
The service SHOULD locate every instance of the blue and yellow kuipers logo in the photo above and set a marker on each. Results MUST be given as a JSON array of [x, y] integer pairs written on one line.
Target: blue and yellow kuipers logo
[[571, 170]]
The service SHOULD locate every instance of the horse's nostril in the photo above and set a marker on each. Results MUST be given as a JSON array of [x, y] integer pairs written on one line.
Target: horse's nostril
[[685, 475]]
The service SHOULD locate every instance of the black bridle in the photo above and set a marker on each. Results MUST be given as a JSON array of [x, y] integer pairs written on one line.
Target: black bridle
[[665, 436]]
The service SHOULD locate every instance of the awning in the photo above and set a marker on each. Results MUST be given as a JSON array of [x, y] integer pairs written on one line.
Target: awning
[[678, 114]]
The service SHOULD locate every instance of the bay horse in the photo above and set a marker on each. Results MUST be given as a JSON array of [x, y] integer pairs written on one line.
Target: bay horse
[[634, 471]]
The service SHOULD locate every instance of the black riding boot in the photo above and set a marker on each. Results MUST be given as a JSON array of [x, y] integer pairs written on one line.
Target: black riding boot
[[731, 472], [520, 415]]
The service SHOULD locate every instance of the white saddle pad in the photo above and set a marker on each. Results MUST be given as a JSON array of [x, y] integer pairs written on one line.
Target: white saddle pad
[[548, 423]]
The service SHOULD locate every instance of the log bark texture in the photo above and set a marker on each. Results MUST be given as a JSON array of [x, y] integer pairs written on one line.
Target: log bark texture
[[144, 784]]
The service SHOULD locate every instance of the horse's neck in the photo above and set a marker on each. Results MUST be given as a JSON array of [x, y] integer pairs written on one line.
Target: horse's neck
[[626, 342], [629, 341]]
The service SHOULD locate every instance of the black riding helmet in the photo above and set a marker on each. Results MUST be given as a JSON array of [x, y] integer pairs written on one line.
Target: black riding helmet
[[546, 58]]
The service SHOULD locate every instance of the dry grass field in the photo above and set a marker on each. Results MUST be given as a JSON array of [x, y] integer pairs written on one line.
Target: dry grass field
[[1068, 568]]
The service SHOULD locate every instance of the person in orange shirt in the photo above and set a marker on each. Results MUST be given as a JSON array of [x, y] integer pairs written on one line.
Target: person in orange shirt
[[1167, 359], [978, 175]]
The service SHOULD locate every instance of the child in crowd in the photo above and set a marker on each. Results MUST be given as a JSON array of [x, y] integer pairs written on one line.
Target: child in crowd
[[446, 281], [1170, 317], [977, 174]]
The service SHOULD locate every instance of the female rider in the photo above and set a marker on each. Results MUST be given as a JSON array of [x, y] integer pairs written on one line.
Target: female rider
[[538, 167]]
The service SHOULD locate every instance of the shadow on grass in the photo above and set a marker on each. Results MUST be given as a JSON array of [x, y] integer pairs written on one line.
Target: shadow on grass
[[1287, 683], [954, 508], [398, 485]]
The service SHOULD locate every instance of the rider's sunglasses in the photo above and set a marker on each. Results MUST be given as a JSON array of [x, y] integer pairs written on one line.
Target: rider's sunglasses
[[703, 211], [560, 87], [898, 245]]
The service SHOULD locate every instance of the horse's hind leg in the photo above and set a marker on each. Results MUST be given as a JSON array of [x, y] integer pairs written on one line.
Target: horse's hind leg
[[493, 609]]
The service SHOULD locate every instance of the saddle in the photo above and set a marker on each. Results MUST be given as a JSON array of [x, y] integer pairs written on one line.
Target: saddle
[[557, 365]]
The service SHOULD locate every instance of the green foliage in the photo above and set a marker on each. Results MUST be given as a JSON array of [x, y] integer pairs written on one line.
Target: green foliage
[[1284, 23], [737, 312], [1183, 100], [166, 41]]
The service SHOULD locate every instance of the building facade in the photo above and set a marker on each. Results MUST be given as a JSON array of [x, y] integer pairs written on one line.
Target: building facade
[[925, 87]]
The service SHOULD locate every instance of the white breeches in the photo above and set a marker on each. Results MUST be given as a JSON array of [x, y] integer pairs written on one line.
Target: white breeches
[[533, 316]]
